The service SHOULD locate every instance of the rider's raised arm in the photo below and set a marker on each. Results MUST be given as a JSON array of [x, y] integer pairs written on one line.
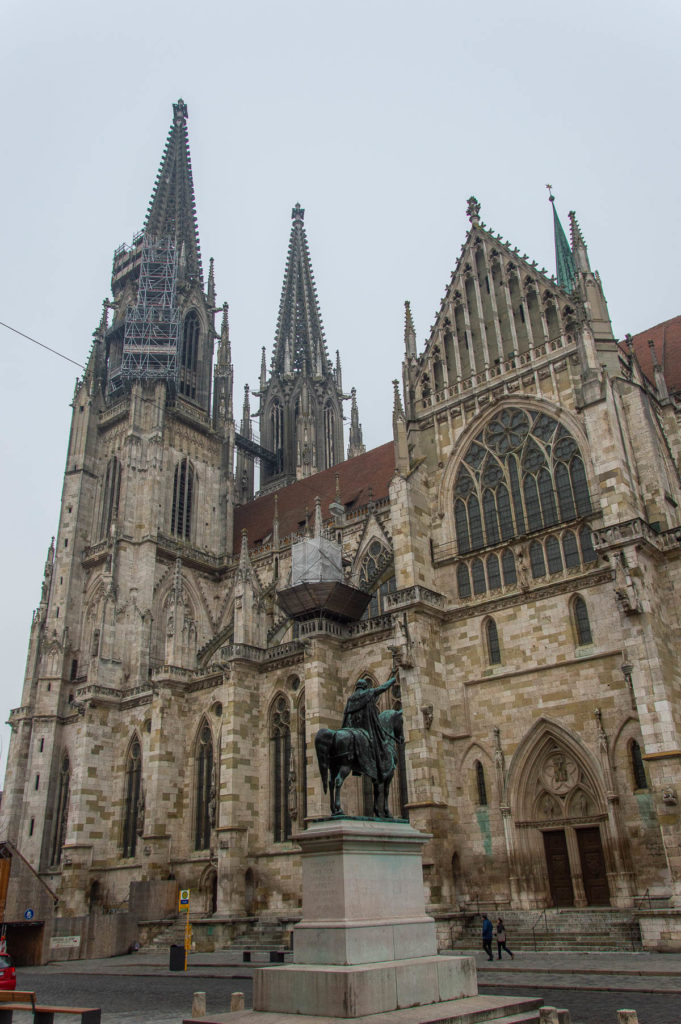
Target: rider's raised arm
[[382, 689]]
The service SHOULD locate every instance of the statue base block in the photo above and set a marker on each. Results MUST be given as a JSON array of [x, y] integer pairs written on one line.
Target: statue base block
[[361, 990], [365, 944]]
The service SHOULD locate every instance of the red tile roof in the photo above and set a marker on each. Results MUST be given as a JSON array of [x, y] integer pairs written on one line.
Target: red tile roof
[[362, 479], [667, 341]]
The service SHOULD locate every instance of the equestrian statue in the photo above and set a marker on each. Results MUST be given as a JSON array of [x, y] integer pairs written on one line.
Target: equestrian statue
[[365, 744]]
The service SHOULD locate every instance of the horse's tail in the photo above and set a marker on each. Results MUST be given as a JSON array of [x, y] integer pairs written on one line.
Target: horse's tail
[[322, 744]]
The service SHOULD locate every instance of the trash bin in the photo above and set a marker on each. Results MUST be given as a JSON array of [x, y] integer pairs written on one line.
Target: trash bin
[[177, 958], [247, 956], [276, 956]]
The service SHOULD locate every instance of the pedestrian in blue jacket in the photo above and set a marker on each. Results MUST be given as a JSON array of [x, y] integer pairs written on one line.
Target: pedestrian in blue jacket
[[487, 934]]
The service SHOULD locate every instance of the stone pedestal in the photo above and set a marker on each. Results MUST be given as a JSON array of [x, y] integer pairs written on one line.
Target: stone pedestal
[[365, 944]]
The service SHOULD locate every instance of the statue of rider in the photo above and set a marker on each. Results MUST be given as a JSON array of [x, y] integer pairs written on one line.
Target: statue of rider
[[375, 757]]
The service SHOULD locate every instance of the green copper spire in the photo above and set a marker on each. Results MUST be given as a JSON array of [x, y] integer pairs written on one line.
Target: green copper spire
[[565, 264]]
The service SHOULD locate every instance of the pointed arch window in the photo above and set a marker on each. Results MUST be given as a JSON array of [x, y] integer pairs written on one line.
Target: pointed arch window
[[189, 354], [61, 811], [523, 471], [637, 767], [493, 574], [205, 789], [478, 574], [582, 624], [463, 580], [183, 496], [131, 801], [110, 496], [537, 563], [480, 784], [329, 436], [570, 550], [553, 555], [376, 574], [277, 433], [280, 767], [508, 568], [492, 638], [302, 761]]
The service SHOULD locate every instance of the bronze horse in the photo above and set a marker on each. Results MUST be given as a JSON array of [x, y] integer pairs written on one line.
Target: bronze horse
[[337, 756]]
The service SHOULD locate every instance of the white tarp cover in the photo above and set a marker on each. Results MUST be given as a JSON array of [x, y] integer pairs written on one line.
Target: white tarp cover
[[316, 561]]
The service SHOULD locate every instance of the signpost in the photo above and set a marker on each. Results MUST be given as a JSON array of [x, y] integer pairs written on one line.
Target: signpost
[[185, 895], [29, 914]]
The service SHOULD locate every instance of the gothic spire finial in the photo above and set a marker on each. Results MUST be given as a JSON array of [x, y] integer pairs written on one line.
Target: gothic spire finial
[[409, 332], [211, 283], [473, 210], [298, 213], [172, 209], [244, 559], [579, 252], [397, 399], [318, 517], [355, 441], [224, 348]]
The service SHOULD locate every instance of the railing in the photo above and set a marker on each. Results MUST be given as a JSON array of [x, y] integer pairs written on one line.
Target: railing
[[646, 898], [416, 593], [534, 927]]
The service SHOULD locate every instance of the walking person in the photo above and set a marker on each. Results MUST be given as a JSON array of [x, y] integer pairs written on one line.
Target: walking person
[[501, 939], [487, 933]]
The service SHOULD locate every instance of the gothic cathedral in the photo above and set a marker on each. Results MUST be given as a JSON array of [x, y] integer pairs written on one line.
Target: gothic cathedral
[[514, 552]]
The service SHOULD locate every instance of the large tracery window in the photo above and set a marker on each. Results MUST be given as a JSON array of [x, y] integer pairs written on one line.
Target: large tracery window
[[183, 494], [523, 472], [62, 811], [205, 790]]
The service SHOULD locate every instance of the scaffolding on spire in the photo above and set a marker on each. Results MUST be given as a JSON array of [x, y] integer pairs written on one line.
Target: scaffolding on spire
[[152, 325]]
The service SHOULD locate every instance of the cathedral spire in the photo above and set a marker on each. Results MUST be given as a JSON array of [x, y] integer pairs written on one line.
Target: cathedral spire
[[565, 264], [172, 209], [299, 341], [355, 442]]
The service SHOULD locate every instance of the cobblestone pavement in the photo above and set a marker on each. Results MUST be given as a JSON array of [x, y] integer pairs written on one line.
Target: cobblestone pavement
[[139, 989]]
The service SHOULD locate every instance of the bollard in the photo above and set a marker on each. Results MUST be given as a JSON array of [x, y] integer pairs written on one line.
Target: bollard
[[548, 1015], [236, 1002], [563, 1016], [627, 1017], [199, 1004]]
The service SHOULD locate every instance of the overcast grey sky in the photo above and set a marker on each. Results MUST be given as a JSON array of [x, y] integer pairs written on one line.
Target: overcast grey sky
[[380, 117]]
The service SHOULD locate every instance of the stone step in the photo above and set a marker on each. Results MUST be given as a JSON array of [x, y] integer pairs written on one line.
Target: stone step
[[469, 1010]]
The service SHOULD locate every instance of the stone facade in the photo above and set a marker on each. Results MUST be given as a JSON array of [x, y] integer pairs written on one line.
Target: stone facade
[[520, 537]]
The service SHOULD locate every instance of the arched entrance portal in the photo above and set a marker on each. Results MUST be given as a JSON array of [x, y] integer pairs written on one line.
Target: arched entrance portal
[[561, 855]]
